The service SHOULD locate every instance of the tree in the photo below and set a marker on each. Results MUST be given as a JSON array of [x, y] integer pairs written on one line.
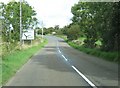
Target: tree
[[11, 15], [83, 16], [56, 27], [98, 21], [73, 32], [10, 24]]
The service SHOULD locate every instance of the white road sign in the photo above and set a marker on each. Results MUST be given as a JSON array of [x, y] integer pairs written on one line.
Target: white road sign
[[28, 35]]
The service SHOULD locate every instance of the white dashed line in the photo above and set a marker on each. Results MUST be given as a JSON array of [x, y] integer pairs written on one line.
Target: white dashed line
[[64, 57], [83, 76], [59, 51]]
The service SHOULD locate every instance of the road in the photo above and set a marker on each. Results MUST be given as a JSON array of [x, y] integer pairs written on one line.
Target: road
[[58, 64]]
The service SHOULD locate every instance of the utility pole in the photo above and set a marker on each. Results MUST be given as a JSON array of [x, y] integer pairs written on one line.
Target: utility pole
[[42, 31], [20, 25]]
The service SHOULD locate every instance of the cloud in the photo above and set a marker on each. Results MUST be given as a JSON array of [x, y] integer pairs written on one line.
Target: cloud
[[52, 12]]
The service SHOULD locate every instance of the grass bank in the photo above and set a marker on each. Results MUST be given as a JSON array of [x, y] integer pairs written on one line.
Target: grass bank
[[110, 56], [13, 61]]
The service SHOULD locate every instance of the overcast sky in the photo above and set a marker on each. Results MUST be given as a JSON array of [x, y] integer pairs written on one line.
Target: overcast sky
[[52, 12]]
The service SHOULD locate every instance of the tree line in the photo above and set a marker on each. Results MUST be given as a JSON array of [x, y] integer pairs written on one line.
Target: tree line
[[10, 20], [96, 21]]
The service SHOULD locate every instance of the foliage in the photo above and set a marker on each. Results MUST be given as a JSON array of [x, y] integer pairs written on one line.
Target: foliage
[[11, 21], [110, 56], [56, 27], [50, 30], [11, 16], [12, 62], [73, 32], [98, 21], [45, 31]]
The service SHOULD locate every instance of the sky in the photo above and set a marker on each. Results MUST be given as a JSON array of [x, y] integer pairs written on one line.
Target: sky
[[52, 12]]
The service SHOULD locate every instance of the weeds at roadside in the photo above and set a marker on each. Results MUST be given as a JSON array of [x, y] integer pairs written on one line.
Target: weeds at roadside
[[13, 61]]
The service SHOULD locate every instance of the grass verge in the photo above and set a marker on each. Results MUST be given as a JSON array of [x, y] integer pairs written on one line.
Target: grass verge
[[110, 56], [13, 61]]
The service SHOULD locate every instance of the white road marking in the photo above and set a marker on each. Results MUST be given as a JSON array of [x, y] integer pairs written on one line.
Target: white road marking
[[85, 78], [64, 57], [58, 47], [59, 51]]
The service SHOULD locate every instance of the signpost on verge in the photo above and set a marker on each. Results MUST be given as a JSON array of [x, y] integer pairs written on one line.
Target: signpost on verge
[[27, 34]]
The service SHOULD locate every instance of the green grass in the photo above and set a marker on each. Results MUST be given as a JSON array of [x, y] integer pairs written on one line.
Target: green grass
[[12, 62], [62, 36], [110, 56], [0, 71]]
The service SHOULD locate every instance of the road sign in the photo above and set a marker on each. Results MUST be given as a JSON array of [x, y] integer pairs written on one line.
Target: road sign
[[28, 35]]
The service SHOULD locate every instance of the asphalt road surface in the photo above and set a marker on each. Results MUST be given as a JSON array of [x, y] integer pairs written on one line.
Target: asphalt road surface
[[57, 64]]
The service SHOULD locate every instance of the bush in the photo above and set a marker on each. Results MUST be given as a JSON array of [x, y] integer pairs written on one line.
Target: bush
[[73, 32]]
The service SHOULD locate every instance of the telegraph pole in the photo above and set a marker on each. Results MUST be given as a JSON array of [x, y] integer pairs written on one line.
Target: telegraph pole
[[42, 31], [20, 25]]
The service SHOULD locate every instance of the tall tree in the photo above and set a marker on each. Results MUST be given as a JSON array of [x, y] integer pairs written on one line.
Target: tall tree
[[98, 20], [11, 16], [83, 16]]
